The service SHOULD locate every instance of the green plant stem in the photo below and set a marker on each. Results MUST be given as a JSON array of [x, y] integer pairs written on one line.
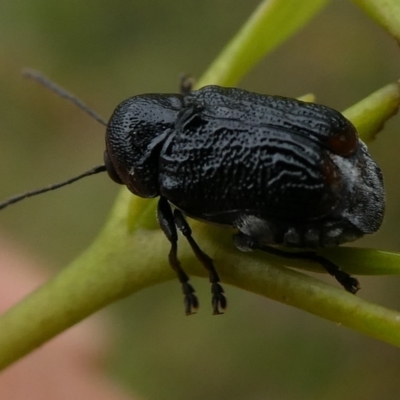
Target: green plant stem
[[370, 114], [385, 12], [273, 22]]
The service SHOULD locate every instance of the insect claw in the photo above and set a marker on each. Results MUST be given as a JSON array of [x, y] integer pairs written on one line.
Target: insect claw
[[218, 299], [190, 302], [348, 282], [217, 303]]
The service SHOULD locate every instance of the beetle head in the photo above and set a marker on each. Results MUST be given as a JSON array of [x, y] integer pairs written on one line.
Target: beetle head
[[135, 134]]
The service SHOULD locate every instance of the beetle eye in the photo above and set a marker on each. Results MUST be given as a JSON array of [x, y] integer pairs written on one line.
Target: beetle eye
[[112, 173], [344, 142]]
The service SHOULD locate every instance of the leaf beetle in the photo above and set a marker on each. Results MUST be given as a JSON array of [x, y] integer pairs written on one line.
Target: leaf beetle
[[281, 171]]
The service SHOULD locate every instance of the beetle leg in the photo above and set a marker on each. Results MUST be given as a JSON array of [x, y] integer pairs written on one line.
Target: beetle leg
[[218, 298], [166, 221], [246, 243]]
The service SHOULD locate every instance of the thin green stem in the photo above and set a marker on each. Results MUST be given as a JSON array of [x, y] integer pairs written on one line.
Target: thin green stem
[[273, 22], [385, 12]]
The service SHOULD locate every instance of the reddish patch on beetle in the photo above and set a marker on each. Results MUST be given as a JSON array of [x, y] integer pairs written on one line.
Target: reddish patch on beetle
[[343, 143]]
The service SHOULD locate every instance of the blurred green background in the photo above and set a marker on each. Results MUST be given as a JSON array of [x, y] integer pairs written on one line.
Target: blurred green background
[[105, 52]]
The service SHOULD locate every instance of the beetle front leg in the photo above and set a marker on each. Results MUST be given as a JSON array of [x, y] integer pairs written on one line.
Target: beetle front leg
[[246, 243], [166, 221], [218, 298]]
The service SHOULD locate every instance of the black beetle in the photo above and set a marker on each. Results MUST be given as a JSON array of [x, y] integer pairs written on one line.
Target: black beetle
[[281, 171]]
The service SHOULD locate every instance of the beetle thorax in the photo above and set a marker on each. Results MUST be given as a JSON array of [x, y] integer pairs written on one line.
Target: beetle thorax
[[135, 134]]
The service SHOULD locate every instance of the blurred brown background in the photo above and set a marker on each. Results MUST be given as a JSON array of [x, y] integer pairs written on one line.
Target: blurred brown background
[[105, 52]]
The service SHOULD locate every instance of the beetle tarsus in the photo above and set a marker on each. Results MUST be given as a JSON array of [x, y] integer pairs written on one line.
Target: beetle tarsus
[[218, 298], [190, 300], [166, 221], [349, 283]]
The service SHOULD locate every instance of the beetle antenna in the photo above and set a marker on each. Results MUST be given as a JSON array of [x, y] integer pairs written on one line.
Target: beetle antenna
[[47, 83], [16, 199]]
